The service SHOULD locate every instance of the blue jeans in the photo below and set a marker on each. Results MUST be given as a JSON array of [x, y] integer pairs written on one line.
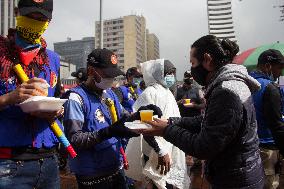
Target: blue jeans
[[40, 174]]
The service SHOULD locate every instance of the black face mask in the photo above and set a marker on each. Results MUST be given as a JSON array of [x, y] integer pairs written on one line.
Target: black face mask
[[188, 81], [199, 74]]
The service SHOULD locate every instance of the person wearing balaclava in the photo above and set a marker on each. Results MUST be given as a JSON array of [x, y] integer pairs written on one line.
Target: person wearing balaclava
[[226, 135], [27, 145], [268, 103], [165, 166]]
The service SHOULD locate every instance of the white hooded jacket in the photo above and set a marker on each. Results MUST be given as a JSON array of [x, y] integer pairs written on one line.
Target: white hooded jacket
[[158, 94]]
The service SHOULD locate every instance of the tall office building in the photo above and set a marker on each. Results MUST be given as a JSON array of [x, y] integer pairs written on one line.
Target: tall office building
[[220, 19], [76, 51], [153, 50], [7, 17], [126, 36]]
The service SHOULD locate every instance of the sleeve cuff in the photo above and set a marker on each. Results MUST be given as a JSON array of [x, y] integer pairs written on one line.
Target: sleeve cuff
[[162, 153]]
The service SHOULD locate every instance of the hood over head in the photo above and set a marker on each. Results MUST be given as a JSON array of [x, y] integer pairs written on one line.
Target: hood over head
[[153, 72]]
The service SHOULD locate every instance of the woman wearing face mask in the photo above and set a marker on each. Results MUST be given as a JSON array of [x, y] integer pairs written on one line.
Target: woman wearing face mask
[[225, 136], [166, 167]]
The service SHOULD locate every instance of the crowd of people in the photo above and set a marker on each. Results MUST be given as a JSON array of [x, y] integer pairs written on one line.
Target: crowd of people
[[222, 128]]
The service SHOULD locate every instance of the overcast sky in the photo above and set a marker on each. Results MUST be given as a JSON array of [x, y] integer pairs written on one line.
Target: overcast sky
[[177, 23]]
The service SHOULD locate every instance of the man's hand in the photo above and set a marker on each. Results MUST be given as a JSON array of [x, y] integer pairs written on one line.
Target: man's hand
[[116, 130], [25, 91], [50, 116], [158, 127], [164, 164]]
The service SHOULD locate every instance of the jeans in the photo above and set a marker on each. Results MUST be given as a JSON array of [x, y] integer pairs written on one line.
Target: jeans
[[39, 174], [116, 182]]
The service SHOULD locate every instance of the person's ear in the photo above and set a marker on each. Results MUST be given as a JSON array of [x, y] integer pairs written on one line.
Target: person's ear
[[93, 74], [208, 63], [96, 75], [268, 67]]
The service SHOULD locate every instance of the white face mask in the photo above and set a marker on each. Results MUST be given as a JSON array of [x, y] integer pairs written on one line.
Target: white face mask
[[105, 83]]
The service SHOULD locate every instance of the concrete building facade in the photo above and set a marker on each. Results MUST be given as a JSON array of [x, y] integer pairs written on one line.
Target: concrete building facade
[[66, 68], [76, 51], [127, 37], [220, 19], [153, 51], [7, 17]]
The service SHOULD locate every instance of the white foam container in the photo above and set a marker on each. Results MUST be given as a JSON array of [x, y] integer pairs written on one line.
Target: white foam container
[[42, 104], [137, 125]]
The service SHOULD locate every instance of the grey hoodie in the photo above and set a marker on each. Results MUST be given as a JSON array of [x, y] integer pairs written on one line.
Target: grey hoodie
[[232, 74], [226, 136]]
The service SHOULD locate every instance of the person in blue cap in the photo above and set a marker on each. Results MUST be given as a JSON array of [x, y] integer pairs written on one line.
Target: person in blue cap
[[27, 145]]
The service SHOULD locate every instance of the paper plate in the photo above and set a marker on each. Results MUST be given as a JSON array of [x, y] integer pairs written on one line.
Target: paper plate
[[137, 125], [42, 104]]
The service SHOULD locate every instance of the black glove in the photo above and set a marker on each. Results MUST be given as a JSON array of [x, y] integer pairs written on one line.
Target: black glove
[[116, 130], [136, 115], [156, 109]]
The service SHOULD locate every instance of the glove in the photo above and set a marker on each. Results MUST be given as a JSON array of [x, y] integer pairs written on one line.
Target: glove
[[136, 115], [116, 130], [156, 109]]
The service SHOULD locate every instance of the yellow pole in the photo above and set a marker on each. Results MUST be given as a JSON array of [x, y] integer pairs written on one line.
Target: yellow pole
[[112, 110], [21, 73], [54, 126]]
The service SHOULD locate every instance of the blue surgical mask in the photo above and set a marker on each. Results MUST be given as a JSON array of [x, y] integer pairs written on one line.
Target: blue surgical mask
[[137, 81], [170, 80]]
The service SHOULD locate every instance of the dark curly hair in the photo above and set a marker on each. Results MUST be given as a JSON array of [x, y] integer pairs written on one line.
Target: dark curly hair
[[221, 51]]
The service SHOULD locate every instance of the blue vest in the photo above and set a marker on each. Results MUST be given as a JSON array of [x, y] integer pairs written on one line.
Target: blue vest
[[19, 129], [128, 100], [264, 133], [105, 156]]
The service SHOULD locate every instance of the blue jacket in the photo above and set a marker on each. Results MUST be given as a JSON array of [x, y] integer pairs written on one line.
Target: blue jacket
[[20, 129], [128, 99], [105, 156], [264, 133]]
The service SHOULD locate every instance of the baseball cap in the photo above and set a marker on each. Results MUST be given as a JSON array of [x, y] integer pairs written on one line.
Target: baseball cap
[[80, 74], [271, 56], [133, 71], [106, 60], [45, 7]]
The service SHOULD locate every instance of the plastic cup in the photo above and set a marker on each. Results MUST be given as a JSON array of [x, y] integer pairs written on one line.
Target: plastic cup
[[186, 101], [146, 115]]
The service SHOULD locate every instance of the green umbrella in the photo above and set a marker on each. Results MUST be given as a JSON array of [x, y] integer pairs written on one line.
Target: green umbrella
[[249, 57]]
